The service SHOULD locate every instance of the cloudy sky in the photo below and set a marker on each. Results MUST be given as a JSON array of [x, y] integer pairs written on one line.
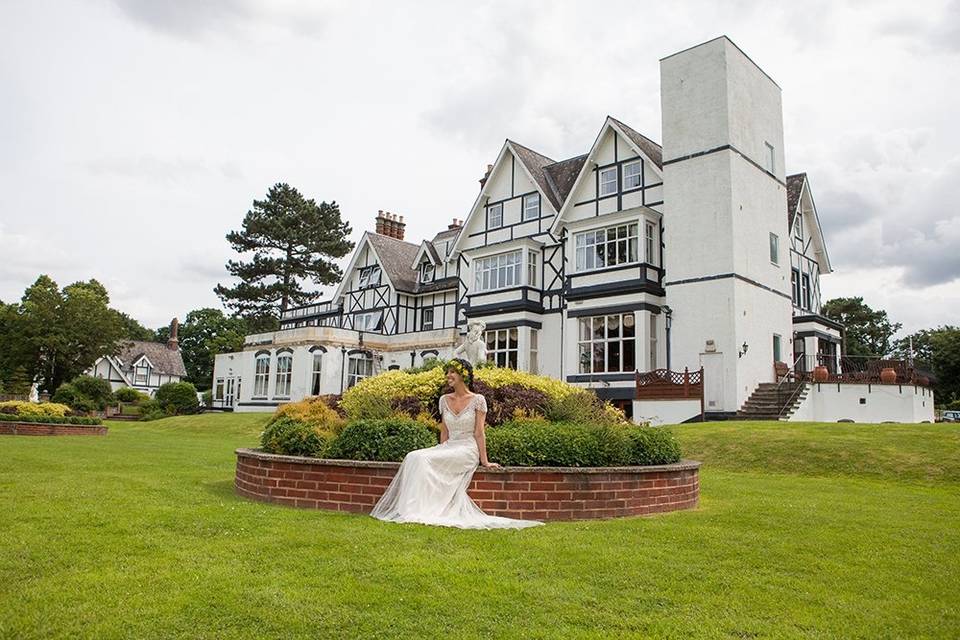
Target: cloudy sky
[[134, 134]]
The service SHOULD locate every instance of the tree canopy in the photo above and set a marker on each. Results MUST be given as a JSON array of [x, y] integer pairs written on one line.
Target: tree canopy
[[868, 332], [293, 240]]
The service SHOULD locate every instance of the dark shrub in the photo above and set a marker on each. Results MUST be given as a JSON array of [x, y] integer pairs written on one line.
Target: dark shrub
[[97, 389], [653, 445], [386, 440], [332, 400], [539, 443], [411, 406], [150, 409], [294, 438], [69, 395], [503, 402], [129, 394], [177, 398], [207, 398]]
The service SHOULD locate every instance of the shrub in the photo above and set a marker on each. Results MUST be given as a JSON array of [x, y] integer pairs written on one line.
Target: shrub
[[150, 409], [374, 397], [51, 419], [653, 445], [287, 436], [385, 440], [177, 398], [69, 395], [333, 401], [510, 401], [129, 394], [540, 443], [313, 412], [583, 407], [97, 390], [23, 408], [207, 398]]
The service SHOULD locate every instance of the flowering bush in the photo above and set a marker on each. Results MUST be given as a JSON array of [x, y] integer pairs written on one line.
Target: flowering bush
[[304, 428], [313, 412], [23, 408]]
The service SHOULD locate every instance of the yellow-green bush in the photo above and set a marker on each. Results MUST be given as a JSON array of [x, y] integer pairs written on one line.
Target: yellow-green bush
[[313, 412], [373, 397], [23, 408]]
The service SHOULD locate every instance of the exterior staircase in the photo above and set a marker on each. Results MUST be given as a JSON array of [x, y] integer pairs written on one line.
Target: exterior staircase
[[767, 403]]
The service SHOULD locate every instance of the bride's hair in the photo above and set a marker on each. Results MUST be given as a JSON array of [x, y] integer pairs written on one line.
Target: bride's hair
[[464, 368]]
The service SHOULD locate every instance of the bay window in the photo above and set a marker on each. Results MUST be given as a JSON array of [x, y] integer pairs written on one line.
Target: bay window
[[607, 344], [497, 272], [607, 247]]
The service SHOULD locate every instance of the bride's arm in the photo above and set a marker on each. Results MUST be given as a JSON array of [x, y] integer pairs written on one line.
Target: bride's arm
[[444, 433], [480, 434]]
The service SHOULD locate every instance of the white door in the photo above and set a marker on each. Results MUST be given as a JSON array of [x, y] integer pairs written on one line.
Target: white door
[[228, 395], [712, 381]]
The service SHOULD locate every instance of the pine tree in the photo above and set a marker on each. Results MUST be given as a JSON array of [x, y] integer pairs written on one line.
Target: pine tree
[[293, 239]]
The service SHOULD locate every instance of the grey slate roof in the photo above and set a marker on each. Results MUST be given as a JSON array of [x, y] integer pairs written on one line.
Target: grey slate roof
[[396, 258], [164, 359], [563, 174], [535, 164], [648, 146], [794, 189]]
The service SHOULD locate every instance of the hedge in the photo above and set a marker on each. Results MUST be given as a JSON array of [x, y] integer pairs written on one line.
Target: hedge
[[385, 440], [540, 443], [51, 419]]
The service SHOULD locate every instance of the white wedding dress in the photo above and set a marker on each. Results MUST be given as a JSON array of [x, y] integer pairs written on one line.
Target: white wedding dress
[[431, 485]]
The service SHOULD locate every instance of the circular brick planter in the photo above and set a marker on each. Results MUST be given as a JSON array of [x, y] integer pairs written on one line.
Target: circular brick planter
[[540, 493], [46, 429]]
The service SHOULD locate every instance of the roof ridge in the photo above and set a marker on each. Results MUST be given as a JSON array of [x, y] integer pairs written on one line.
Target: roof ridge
[[525, 147]]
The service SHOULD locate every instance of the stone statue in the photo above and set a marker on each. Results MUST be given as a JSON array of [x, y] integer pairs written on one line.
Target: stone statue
[[473, 349], [34, 393]]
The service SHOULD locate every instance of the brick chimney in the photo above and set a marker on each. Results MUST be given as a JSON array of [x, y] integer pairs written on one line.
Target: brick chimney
[[390, 224], [486, 175], [172, 341]]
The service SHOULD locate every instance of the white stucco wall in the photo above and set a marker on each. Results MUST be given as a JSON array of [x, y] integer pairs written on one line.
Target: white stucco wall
[[658, 412], [866, 403]]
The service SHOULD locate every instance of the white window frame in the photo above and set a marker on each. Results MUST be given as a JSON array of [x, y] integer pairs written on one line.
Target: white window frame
[[586, 244], [316, 373], [534, 351], [284, 375], [359, 366], [798, 229], [629, 173], [531, 207], [426, 319], [607, 187], [774, 249], [145, 368], [499, 271], [218, 392], [532, 268], [500, 350], [777, 346], [368, 320], [653, 343], [261, 376], [365, 276], [589, 344], [427, 271], [650, 242], [498, 208], [806, 298], [771, 157]]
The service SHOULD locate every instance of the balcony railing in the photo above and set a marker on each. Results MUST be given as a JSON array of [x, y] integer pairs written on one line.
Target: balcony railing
[[856, 370], [307, 310]]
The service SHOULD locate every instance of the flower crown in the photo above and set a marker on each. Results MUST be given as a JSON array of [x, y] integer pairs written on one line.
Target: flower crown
[[463, 371]]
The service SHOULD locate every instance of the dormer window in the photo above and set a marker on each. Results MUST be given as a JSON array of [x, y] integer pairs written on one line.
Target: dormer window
[[608, 181], [141, 374], [531, 206], [495, 216], [426, 272], [370, 276]]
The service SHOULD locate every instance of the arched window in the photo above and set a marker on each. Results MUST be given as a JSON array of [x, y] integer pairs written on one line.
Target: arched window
[[360, 367], [284, 374], [261, 377], [317, 369]]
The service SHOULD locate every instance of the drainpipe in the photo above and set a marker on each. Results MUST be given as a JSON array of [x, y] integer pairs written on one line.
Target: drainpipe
[[343, 366], [668, 315]]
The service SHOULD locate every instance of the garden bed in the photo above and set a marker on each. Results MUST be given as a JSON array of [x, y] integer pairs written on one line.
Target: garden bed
[[12, 428], [541, 493]]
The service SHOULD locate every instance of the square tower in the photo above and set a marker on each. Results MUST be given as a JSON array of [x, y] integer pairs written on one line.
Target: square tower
[[725, 220]]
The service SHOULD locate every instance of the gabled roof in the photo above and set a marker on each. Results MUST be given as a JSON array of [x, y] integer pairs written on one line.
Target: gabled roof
[[649, 148], [563, 174], [535, 163], [163, 359], [396, 258], [794, 189]]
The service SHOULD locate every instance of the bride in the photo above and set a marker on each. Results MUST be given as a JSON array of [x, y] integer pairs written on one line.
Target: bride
[[431, 485]]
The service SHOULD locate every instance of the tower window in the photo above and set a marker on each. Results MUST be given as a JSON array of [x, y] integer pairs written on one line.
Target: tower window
[[771, 164], [774, 249]]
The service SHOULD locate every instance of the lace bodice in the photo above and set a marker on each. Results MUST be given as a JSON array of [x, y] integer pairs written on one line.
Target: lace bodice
[[461, 425]]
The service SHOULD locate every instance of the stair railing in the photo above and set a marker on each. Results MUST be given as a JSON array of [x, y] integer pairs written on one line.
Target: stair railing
[[794, 393]]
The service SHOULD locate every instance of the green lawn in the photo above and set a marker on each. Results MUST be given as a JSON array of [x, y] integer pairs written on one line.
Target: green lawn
[[815, 531]]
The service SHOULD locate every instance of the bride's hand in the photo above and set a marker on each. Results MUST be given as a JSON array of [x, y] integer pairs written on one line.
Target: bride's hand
[[490, 465]]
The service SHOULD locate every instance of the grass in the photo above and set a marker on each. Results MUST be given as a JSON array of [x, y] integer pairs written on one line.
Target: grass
[[807, 531]]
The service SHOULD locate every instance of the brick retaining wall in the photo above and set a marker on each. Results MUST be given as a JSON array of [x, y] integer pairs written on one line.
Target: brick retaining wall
[[8, 428], [540, 493]]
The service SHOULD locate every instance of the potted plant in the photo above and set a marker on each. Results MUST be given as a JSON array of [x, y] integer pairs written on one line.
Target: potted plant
[[820, 373], [888, 375]]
